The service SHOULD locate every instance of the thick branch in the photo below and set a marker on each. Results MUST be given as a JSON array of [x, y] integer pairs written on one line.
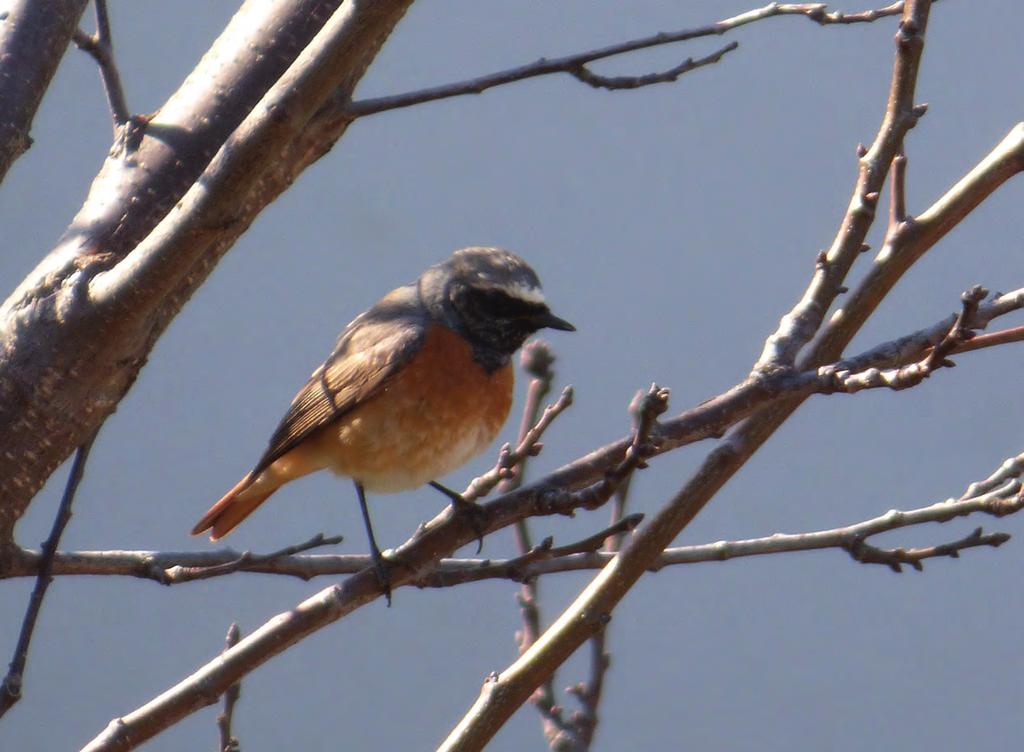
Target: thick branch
[[33, 37], [57, 339]]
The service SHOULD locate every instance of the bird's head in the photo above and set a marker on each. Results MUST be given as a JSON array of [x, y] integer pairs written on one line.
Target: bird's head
[[490, 296]]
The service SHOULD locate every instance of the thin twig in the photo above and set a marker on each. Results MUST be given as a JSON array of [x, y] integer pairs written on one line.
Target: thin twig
[[992, 339], [645, 437], [912, 347], [11, 687], [998, 495], [537, 360], [574, 64], [100, 46], [452, 572], [509, 459], [584, 721], [622, 83], [912, 374], [898, 191], [895, 558], [246, 560], [228, 741]]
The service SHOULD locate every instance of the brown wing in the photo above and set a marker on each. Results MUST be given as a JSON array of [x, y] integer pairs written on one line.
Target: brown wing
[[372, 348]]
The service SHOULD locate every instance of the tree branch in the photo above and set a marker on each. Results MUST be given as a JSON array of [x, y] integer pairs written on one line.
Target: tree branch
[[100, 46], [228, 741], [448, 531], [999, 496], [847, 376], [33, 37], [536, 360], [501, 696], [10, 688], [59, 337], [245, 562], [576, 65]]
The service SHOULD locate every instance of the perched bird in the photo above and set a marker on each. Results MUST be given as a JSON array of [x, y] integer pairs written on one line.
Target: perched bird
[[415, 387]]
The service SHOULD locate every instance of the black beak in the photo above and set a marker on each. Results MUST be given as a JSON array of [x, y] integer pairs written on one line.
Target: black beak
[[548, 320]]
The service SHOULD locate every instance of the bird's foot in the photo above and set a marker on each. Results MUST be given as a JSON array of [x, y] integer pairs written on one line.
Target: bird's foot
[[383, 571]]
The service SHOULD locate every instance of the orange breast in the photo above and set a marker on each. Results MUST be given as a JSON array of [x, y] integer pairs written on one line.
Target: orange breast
[[441, 409]]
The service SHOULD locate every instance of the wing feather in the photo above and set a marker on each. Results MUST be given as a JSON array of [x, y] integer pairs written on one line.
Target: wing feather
[[370, 350]]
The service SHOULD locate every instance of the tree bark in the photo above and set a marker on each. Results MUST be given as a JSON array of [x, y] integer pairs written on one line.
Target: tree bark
[[33, 37], [78, 330]]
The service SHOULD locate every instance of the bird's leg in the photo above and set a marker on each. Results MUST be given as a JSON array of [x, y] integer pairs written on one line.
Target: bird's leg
[[468, 508], [383, 571]]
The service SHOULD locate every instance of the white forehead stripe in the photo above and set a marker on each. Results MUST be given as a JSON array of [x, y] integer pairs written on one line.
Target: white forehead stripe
[[524, 292]]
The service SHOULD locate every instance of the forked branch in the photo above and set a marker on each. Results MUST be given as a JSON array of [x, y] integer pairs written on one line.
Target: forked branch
[[100, 46], [578, 65]]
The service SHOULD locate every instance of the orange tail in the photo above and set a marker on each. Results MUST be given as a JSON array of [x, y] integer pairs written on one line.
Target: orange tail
[[233, 507]]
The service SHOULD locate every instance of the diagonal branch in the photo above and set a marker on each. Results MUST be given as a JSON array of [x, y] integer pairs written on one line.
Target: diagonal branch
[[10, 688], [576, 65], [441, 536], [57, 338], [500, 697], [33, 38]]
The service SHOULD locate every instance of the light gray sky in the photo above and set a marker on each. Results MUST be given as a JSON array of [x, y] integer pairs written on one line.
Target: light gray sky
[[673, 226]]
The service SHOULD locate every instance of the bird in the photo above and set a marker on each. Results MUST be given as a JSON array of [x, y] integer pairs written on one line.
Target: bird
[[416, 386]]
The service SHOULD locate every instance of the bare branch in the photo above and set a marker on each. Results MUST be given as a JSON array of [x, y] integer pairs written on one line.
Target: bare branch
[[623, 83], [247, 560], [100, 46], [895, 558], [645, 438], [898, 191], [500, 697], [91, 358], [448, 531], [178, 567], [583, 723], [33, 37], [11, 687], [992, 339], [537, 360], [914, 373], [575, 65], [228, 741], [509, 459], [999, 496], [904, 350]]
